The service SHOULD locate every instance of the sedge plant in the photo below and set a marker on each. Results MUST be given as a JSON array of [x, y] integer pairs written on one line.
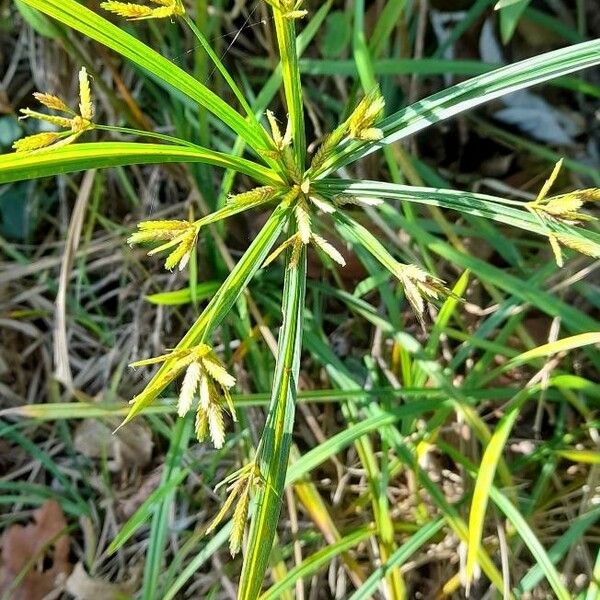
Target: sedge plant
[[308, 197]]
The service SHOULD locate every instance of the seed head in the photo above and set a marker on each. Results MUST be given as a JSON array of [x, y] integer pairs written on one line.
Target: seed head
[[180, 235], [74, 124], [204, 375], [242, 484], [138, 12], [361, 122], [419, 287]]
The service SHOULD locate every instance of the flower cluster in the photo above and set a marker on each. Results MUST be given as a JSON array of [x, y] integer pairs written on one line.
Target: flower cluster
[[419, 287], [564, 209], [360, 126], [305, 235], [205, 375], [137, 12], [74, 124], [180, 235], [368, 112], [283, 147], [241, 483]]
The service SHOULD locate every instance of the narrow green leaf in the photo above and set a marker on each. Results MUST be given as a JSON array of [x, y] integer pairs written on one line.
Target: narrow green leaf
[[204, 290], [466, 95], [510, 13], [307, 462], [588, 457], [316, 561], [194, 565], [143, 513], [519, 523], [80, 18], [570, 343], [38, 22], [485, 478], [531, 541], [565, 542], [277, 436], [495, 208], [286, 40], [400, 556], [98, 155], [160, 519]]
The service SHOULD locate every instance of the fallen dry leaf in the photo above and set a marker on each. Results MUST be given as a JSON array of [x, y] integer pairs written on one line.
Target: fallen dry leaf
[[28, 550], [84, 587], [128, 447]]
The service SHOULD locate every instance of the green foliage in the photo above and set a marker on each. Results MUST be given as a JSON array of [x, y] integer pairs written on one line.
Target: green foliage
[[309, 196]]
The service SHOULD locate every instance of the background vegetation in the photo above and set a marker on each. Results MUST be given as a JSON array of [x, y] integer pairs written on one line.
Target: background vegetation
[[394, 420]]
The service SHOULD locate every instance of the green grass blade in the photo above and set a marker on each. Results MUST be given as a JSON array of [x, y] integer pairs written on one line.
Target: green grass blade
[[565, 542], [192, 567], [80, 18], [400, 556], [315, 561], [277, 436], [356, 233], [531, 541], [160, 519], [467, 95], [519, 523], [143, 513], [569, 343], [97, 155], [485, 478], [360, 49], [593, 591], [449, 307], [342, 440], [204, 290], [84, 410], [11, 432], [494, 208], [286, 40]]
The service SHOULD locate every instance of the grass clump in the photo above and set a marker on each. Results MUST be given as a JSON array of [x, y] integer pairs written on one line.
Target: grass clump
[[314, 210]]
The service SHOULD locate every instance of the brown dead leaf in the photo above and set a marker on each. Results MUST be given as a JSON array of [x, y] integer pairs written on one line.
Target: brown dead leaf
[[130, 446], [27, 550], [84, 587]]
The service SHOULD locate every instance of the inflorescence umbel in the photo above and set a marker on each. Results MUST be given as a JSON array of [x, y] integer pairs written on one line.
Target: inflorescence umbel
[[205, 383], [72, 122], [564, 209]]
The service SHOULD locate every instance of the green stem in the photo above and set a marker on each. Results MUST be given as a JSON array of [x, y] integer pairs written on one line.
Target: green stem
[[286, 39], [277, 436], [149, 134]]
